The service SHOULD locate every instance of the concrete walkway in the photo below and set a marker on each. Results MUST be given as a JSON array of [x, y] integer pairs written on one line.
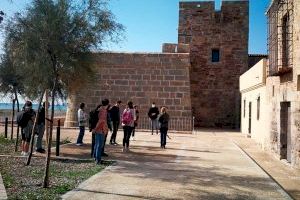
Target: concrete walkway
[[207, 165], [3, 194], [280, 170]]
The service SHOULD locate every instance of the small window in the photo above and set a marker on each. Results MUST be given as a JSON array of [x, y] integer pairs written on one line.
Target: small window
[[244, 108], [215, 55], [258, 107]]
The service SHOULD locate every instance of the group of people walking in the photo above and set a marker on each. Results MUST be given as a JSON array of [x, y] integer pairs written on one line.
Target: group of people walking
[[105, 117]]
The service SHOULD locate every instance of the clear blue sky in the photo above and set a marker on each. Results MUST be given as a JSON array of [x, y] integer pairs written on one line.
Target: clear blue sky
[[149, 23]]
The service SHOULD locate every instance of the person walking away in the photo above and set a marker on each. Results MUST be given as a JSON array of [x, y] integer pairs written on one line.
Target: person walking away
[[26, 120], [115, 119], [81, 123], [128, 117], [41, 129], [153, 114], [164, 122], [93, 120], [109, 128], [100, 131], [136, 110]]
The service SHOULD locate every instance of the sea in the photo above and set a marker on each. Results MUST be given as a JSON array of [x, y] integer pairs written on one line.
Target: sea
[[8, 106]]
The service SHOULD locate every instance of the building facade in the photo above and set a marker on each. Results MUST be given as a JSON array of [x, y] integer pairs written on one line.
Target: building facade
[[198, 77], [218, 42], [281, 131]]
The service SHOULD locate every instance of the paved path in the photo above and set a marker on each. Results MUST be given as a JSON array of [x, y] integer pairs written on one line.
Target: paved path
[[3, 194], [207, 165], [280, 170]]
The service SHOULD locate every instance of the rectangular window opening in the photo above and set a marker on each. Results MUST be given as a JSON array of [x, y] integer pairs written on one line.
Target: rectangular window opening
[[285, 42], [215, 55], [258, 107], [244, 108], [298, 83]]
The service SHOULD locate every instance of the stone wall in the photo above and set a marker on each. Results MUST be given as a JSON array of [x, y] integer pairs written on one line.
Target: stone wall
[[282, 89], [141, 77], [215, 93]]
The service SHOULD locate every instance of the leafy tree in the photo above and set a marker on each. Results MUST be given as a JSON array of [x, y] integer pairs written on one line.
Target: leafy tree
[[10, 83], [52, 41]]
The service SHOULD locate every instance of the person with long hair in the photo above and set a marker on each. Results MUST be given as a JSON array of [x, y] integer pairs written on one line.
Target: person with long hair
[[137, 113], [128, 117], [101, 131], [164, 123]]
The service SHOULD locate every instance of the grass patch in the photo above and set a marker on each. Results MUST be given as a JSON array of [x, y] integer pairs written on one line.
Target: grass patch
[[25, 182]]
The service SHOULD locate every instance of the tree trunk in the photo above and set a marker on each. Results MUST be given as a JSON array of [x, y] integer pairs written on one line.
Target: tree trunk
[[33, 129], [48, 157], [46, 116], [12, 120], [18, 129]]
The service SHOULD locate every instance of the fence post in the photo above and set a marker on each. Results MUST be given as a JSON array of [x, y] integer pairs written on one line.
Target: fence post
[[6, 125], [57, 137], [193, 124]]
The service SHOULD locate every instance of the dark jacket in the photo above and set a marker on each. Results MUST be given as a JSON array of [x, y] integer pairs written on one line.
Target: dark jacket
[[114, 113], [41, 119], [155, 111], [164, 120]]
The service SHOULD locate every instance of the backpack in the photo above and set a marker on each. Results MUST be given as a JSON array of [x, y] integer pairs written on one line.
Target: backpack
[[22, 119], [93, 119], [127, 117]]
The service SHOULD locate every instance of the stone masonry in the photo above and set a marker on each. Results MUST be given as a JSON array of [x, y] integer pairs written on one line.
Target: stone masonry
[[215, 94], [141, 77]]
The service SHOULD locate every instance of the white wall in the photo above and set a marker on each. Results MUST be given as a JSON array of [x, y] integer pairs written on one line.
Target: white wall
[[252, 87]]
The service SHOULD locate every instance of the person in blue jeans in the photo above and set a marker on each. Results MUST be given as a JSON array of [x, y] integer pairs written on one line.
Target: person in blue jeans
[[101, 131], [81, 115]]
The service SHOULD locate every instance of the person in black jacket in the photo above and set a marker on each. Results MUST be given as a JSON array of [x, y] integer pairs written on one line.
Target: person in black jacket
[[26, 131], [164, 123], [115, 119], [93, 119], [41, 129], [153, 114]]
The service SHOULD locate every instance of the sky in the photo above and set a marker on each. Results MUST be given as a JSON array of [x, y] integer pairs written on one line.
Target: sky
[[149, 23]]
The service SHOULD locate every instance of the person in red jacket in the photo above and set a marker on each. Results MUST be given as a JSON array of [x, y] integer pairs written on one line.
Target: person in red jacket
[[101, 130]]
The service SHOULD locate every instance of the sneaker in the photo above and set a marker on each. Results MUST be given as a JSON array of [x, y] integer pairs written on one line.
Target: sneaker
[[98, 162], [79, 144], [22, 154], [133, 139], [26, 154], [116, 143], [41, 150], [104, 154]]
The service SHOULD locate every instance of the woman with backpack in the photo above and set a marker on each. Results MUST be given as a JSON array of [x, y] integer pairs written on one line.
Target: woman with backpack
[[128, 118], [164, 123]]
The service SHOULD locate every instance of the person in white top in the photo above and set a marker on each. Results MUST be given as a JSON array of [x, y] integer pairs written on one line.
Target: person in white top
[[81, 115]]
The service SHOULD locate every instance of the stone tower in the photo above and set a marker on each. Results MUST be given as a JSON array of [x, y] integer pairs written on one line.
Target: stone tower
[[219, 55]]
